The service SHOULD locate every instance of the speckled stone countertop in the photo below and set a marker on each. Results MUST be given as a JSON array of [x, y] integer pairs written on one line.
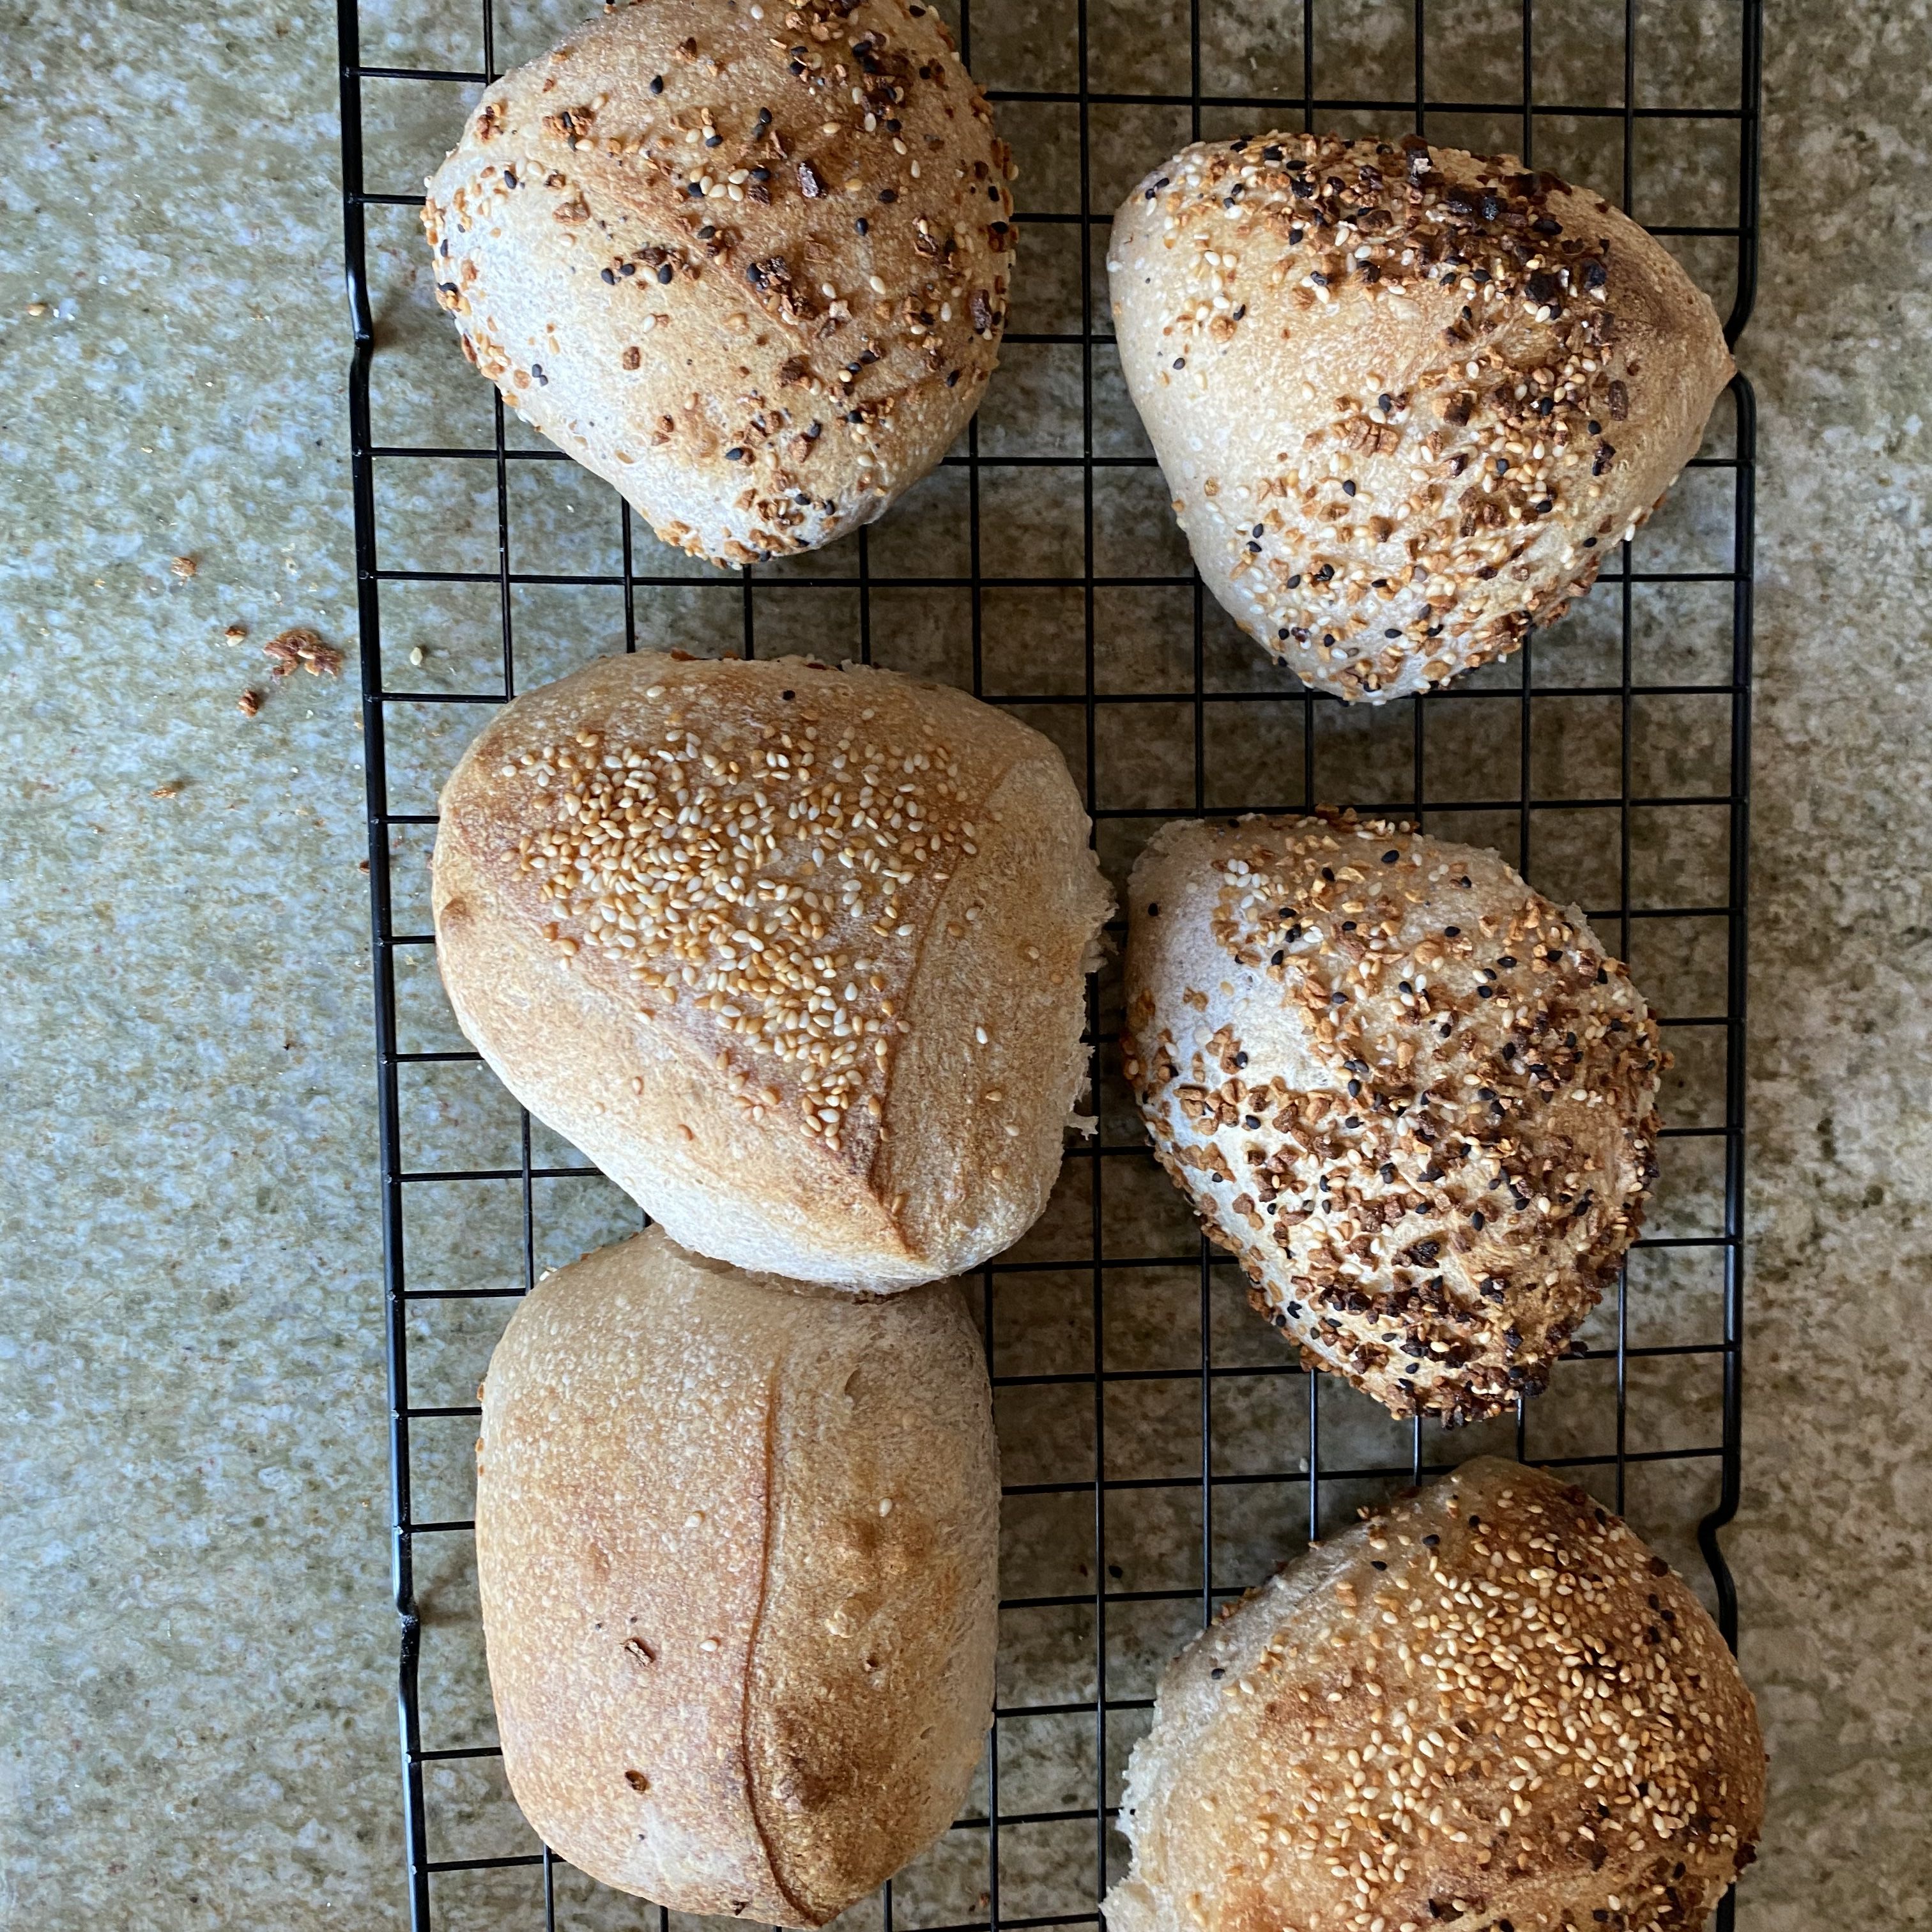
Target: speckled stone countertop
[[197, 1654]]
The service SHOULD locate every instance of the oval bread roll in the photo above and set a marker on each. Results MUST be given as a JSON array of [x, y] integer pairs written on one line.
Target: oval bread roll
[[1413, 1096], [794, 955], [1405, 397], [736, 1544], [748, 265], [1488, 1706]]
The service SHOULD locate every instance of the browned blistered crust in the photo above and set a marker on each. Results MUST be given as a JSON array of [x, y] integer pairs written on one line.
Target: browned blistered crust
[[1412, 1095], [1489, 1706], [1404, 396], [748, 262]]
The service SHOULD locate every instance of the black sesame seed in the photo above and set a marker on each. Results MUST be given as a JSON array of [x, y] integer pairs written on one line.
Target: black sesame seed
[[1392, 634], [1376, 1563], [1153, 909], [862, 226], [1348, 489], [892, 193], [734, 454], [608, 275], [657, 83], [665, 272]]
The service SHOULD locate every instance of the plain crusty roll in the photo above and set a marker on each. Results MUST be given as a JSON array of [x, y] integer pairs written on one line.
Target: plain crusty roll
[[795, 955], [1489, 1706], [1405, 397], [747, 264], [736, 1541], [1413, 1096]]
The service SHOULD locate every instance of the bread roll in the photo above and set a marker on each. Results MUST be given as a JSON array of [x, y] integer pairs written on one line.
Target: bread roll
[[1405, 397], [1488, 1706], [793, 954], [747, 264], [736, 1541], [1413, 1096]]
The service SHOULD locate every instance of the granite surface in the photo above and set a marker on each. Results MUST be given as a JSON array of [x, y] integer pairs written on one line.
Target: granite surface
[[197, 1660]]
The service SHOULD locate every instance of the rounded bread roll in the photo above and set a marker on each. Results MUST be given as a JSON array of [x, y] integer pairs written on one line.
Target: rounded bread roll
[[750, 271], [1487, 1706], [736, 1543], [1405, 397], [794, 955], [1415, 1099]]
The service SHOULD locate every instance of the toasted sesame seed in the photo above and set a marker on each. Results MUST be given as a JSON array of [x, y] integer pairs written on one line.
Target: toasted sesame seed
[[748, 872]]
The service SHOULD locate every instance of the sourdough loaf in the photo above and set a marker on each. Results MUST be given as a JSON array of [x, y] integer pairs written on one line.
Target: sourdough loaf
[[1489, 1706], [1407, 399], [736, 1541], [1416, 1100], [748, 263], [794, 954]]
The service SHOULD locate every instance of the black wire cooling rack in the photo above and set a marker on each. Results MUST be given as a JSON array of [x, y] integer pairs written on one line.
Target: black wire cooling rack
[[1161, 1449]]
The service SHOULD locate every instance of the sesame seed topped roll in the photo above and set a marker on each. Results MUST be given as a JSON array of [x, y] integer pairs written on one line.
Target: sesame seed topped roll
[[1488, 1706], [1414, 1097], [794, 954], [1406, 398], [748, 263]]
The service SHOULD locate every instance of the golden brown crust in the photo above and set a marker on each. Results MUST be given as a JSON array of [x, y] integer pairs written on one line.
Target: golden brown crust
[[1405, 397], [748, 263], [1412, 1095], [736, 1541], [1488, 1706], [793, 954]]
